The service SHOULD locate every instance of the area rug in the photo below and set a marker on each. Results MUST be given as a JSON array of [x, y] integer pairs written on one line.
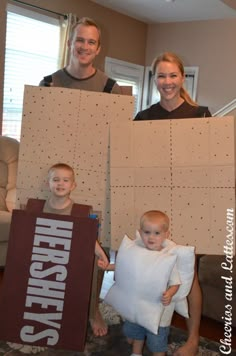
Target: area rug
[[113, 344]]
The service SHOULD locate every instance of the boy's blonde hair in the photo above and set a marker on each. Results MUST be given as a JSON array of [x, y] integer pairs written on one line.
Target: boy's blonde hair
[[153, 215], [173, 58], [61, 166]]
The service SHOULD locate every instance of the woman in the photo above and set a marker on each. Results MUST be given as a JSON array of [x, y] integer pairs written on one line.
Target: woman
[[175, 102]]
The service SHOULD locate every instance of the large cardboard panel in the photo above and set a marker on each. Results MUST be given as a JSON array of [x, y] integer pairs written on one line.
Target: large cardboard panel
[[185, 167], [71, 126]]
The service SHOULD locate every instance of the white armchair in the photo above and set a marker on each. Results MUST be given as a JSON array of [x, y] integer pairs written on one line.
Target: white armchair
[[9, 151]]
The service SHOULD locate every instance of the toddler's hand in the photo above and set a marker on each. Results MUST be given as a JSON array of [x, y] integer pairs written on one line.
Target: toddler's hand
[[166, 298]]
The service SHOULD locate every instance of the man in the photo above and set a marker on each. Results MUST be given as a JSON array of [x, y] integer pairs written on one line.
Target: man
[[84, 45]]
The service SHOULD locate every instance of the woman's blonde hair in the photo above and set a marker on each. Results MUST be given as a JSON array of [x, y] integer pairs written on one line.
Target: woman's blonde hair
[[173, 58]]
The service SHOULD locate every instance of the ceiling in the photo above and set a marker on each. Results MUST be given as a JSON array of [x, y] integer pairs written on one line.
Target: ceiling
[[156, 11]]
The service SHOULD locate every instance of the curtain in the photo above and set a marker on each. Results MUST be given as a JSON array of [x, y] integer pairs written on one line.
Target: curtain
[[66, 25]]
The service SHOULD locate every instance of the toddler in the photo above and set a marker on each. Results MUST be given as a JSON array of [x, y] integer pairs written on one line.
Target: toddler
[[154, 230]]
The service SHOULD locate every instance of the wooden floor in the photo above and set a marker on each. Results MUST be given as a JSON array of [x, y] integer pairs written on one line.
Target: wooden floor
[[209, 328]]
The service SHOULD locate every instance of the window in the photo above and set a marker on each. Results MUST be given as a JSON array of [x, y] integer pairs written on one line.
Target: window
[[127, 74], [191, 78], [32, 51], [150, 93]]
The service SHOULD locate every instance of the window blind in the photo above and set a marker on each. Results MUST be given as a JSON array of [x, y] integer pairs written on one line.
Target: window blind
[[32, 52]]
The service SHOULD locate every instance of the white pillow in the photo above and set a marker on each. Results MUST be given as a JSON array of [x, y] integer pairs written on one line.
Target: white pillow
[[185, 266], [133, 294]]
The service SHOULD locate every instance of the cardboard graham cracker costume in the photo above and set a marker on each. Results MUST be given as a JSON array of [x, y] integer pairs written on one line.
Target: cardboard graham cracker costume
[[185, 167], [71, 126]]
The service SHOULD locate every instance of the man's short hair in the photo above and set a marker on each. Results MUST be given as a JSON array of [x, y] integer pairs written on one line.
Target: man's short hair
[[86, 21]]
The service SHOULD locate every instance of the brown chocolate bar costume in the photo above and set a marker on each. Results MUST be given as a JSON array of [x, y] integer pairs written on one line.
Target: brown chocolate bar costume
[[78, 210]]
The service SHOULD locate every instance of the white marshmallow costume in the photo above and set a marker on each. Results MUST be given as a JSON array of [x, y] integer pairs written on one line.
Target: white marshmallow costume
[[142, 275]]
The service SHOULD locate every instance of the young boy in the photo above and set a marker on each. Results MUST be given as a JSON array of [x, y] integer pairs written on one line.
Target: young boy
[[154, 230], [61, 181]]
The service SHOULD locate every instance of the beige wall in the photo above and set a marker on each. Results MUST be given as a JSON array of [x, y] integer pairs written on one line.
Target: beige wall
[[119, 32], [210, 45]]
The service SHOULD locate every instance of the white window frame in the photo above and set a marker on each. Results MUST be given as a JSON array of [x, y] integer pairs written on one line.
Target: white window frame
[[191, 81], [151, 94], [118, 69]]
